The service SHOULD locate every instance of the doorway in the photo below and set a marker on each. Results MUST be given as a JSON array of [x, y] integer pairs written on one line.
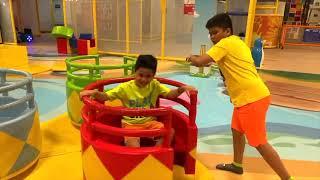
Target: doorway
[[0, 36], [37, 17]]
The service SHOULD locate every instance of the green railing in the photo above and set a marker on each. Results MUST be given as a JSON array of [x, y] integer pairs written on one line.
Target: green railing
[[79, 75]]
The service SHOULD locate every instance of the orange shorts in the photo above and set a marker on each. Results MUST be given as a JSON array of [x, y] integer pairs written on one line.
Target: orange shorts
[[250, 119], [147, 125]]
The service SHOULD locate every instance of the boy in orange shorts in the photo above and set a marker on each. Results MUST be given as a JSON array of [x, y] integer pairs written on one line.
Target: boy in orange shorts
[[248, 93], [142, 92]]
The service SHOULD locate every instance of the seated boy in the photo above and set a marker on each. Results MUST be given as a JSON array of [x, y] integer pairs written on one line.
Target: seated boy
[[142, 92]]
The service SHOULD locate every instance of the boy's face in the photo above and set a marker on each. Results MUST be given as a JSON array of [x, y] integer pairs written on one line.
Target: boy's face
[[143, 76], [218, 33]]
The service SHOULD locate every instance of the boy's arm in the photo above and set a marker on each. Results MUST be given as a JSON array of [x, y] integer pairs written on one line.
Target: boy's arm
[[100, 96], [115, 93], [177, 92], [214, 54], [200, 60]]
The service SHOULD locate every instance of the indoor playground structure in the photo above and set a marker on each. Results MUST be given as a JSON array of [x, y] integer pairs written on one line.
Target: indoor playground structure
[[67, 43], [81, 74], [51, 50], [16, 57], [103, 137], [62, 34], [20, 135]]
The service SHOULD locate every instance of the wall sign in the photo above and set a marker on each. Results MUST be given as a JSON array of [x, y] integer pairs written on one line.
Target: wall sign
[[189, 7]]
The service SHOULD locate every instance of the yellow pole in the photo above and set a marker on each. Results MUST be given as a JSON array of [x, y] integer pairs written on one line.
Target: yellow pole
[[12, 23], [94, 14], [151, 21], [127, 27], [163, 25], [52, 13], [38, 18], [227, 6], [250, 21], [141, 7], [277, 6], [118, 25], [64, 8]]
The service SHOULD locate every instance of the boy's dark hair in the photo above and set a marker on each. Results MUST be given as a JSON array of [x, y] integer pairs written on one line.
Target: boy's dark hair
[[146, 61], [222, 20]]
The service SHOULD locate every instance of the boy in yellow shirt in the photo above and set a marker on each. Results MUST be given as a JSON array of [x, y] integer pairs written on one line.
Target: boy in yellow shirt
[[248, 93], [142, 92]]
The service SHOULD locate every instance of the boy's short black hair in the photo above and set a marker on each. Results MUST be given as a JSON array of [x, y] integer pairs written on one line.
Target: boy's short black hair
[[222, 20], [146, 61]]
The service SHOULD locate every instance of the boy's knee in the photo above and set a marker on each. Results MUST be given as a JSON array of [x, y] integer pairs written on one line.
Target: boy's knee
[[172, 135], [132, 141], [261, 145], [236, 132], [172, 132], [257, 143]]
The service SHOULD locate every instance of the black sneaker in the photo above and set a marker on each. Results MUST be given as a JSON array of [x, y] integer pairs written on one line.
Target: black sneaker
[[231, 168]]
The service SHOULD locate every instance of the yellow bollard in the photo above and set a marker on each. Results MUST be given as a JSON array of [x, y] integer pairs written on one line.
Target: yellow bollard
[[202, 52]]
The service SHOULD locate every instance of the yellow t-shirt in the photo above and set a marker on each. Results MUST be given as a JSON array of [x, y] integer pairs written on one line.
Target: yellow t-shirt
[[133, 96], [234, 59]]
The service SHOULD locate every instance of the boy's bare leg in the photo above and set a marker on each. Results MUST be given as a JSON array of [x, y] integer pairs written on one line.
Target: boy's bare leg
[[273, 159], [132, 141], [238, 149], [160, 140], [238, 146]]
